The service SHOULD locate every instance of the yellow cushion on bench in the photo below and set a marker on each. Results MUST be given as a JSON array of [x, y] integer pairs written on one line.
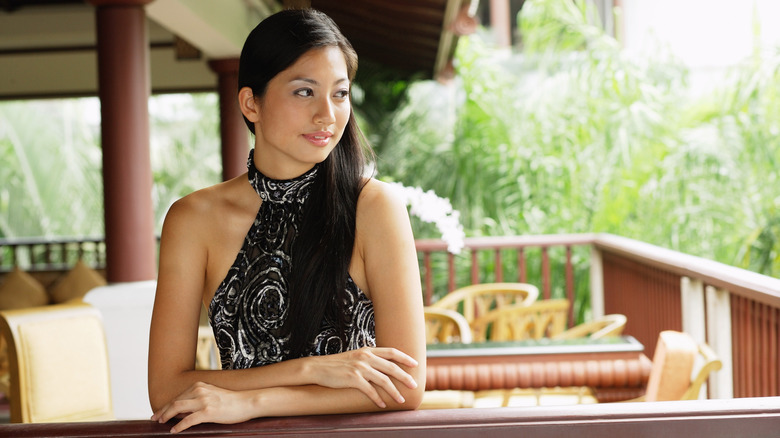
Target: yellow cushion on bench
[[76, 283], [21, 290]]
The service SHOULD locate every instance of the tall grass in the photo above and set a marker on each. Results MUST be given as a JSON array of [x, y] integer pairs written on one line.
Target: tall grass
[[567, 134], [51, 181], [573, 134], [50, 178]]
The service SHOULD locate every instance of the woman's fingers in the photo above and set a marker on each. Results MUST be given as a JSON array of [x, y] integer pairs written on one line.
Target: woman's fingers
[[175, 408], [390, 368], [203, 403], [395, 355], [370, 391], [366, 370], [188, 421]]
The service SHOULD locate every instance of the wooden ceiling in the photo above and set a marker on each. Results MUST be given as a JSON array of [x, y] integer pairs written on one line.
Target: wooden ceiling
[[404, 34], [47, 47]]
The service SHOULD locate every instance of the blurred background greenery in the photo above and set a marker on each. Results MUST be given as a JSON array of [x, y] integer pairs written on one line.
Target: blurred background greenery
[[565, 134]]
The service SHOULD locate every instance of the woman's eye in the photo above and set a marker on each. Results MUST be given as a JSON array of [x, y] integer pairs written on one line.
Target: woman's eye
[[342, 94], [304, 92]]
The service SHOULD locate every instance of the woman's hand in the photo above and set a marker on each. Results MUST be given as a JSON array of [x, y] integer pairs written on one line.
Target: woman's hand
[[204, 403], [364, 369]]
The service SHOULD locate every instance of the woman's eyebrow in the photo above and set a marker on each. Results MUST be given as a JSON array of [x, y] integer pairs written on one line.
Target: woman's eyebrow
[[314, 82]]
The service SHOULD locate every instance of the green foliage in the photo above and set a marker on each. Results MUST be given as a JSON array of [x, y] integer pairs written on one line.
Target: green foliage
[[376, 93], [185, 147], [570, 135], [748, 114], [51, 179], [573, 134], [561, 26], [51, 173]]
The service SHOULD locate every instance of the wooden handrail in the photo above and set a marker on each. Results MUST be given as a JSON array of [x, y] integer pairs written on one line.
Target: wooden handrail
[[488, 242], [755, 417], [639, 277], [752, 285]]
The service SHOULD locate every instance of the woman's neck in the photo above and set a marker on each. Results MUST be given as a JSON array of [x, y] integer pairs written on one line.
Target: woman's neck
[[279, 167]]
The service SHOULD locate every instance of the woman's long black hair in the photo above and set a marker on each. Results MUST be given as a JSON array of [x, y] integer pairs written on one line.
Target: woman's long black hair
[[322, 250]]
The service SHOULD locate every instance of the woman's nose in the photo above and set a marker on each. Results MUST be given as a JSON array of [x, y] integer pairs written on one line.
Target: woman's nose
[[325, 114]]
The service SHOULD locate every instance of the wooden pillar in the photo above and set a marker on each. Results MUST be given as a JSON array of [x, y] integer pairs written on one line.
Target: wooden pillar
[[233, 130], [500, 22], [124, 88]]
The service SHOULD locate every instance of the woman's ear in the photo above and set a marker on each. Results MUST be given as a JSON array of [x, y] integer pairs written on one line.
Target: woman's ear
[[248, 104]]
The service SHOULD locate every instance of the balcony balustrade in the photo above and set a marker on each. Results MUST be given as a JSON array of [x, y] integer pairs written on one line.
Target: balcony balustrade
[[736, 312]]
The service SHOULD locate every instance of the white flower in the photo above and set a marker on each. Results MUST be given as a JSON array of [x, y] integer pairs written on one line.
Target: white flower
[[430, 208]]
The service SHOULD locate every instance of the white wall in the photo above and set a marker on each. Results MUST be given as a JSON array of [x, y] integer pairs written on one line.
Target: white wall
[[127, 312]]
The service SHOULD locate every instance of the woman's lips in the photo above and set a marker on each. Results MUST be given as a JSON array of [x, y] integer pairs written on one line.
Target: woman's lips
[[318, 138]]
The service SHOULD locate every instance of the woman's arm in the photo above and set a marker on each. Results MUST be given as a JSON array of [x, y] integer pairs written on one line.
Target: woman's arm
[[385, 266], [387, 250], [180, 288]]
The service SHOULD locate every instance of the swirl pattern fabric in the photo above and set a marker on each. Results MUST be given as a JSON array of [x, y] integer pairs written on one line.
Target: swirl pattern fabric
[[250, 306]]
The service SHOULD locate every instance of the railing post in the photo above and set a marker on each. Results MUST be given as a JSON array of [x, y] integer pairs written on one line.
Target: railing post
[[451, 272], [570, 285], [499, 268], [546, 280], [692, 302], [474, 267], [719, 334], [596, 283], [428, 278], [693, 316], [522, 276]]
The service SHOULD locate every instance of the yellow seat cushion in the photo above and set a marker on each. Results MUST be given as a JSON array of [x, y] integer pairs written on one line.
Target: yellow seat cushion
[[76, 283], [673, 361], [21, 290], [85, 393]]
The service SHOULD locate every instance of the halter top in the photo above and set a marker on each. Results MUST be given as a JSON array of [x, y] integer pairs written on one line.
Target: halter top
[[251, 304]]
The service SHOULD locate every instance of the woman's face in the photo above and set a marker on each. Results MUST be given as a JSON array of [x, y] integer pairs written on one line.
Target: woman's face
[[303, 113]]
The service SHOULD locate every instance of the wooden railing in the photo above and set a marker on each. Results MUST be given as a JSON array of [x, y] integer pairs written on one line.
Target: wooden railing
[[752, 417], [512, 258], [737, 312], [42, 254]]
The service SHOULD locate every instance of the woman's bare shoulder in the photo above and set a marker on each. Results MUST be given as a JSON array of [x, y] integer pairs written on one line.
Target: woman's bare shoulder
[[380, 197], [210, 205], [381, 209]]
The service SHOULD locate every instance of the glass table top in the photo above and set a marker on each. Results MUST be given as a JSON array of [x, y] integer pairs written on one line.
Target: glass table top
[[537, 346]]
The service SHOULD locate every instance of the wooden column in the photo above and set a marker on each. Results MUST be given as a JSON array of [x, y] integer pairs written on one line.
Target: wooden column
[[124, 88], [233, 130]]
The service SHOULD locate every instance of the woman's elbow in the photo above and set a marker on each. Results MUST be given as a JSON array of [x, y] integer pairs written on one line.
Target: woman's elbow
[[413, 397], [156, 399], [161, 392]]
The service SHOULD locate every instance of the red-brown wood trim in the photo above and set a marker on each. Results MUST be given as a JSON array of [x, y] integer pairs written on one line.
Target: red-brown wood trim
[[754, 417]]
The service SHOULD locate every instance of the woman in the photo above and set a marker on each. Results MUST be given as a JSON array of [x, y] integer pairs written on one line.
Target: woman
[[308, 268]]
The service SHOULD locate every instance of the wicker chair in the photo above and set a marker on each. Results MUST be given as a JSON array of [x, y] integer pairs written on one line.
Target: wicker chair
[[541, 319], [680, 368], [445, 326], [607, 325], [58, 360], [477, 299]]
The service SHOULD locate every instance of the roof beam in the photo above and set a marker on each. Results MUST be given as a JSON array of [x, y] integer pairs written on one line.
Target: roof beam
[[218, 29]]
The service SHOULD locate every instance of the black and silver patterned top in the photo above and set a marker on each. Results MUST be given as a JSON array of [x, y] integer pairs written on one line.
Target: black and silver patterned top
[[250, 306]]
